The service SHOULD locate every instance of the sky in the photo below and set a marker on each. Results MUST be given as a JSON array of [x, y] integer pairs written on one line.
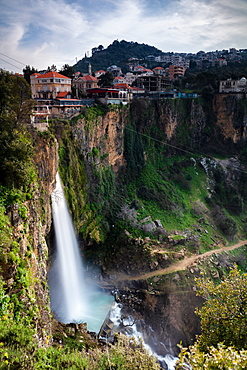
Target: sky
[[40, 33]]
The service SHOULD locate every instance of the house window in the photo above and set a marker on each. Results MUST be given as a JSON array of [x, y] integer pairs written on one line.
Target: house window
[[44, 80], [57, 80]]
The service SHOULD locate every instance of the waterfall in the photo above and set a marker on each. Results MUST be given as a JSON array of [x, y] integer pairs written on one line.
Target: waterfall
[[128, 327], [72, 299]]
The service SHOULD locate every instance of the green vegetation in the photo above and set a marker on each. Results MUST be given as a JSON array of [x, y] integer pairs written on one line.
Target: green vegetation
[[18, 350], [117, 53], [16, 168], [170, 181], [223, 342]]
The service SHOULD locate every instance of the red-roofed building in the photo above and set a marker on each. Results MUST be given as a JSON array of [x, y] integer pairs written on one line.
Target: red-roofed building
[[158, 71], [64, 95], [118, 80], [52, 92], [83, 83], [99, 73], [49, 84], [142, 70]]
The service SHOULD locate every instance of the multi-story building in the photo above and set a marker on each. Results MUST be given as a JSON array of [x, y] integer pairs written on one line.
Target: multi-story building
[[52, 93], [114, 70], [153, 82], [83, 83], [176, 71], [49, 84], [130, 78], [233, 86]]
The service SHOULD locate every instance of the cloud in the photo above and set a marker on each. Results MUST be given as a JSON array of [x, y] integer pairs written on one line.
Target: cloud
[[45, 32]]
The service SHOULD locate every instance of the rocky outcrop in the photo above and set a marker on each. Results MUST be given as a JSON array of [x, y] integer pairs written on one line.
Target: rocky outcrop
[[164, 318], [101, 139], [231, 113], [31, 222]]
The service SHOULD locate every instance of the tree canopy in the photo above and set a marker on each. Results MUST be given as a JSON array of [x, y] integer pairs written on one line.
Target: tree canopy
[[105, 80], [15, 146], [223, 342], [28, 71], [67, 71]]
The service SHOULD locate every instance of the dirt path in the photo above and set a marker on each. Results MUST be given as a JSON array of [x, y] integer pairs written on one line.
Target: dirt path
[[181, 265]]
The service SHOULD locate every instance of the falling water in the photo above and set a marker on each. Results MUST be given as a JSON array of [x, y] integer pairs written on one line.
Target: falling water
[[72, 300], [128, 327]]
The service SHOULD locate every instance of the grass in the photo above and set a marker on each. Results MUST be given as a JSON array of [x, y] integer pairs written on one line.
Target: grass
[[165, 198]]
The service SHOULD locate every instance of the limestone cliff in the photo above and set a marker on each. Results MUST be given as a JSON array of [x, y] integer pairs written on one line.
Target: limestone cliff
[[231, 113], [103, 135], [26, 262]]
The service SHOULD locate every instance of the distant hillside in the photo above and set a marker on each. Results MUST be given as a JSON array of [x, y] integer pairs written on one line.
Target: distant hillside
[[117, 53]]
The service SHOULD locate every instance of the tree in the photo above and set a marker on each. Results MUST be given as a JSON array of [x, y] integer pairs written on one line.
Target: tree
[[15, 146], [106, 80], [52, 68], [223, 342], [28, 71], [224, 314], [67, 71]]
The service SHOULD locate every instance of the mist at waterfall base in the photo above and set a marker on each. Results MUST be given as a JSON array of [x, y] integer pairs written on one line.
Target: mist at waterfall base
[[73, 300]]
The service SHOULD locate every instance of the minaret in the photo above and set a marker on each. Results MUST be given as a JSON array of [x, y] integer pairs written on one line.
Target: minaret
[[89, 69]]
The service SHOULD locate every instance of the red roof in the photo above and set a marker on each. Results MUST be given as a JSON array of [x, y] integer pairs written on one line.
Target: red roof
[[89, 78], [158, 68], [101, 89], [122, 86], [142, 69], [51, 74], [62, 94], [68, 100]]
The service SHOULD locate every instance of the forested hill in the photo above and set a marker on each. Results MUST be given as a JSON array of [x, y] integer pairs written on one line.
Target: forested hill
[[117, 53]]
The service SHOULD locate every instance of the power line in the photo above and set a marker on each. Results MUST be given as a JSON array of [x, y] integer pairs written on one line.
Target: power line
[[11, 64], [175, 147], [13, 59]]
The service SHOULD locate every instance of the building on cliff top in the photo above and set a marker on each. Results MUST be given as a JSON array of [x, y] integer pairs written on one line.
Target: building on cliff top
[[53, 96], [82, 83], [233, 86]]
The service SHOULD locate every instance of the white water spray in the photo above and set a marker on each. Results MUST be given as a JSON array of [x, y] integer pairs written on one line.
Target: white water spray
[[129, 328], [72, 300]]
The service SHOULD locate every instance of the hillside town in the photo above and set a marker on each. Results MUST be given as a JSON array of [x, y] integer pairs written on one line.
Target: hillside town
[[59, 95]]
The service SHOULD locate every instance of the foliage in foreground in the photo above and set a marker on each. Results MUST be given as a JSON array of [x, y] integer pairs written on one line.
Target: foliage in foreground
[[18, 350], [223, 342], [217, 358]]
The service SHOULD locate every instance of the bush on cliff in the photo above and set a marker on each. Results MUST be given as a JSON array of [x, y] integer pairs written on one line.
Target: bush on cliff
[[223, 342]]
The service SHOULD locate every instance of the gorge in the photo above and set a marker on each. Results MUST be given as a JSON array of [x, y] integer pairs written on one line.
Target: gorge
[[148, 185]]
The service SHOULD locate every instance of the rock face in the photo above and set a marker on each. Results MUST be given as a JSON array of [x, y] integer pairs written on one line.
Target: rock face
[[102, 140], [101, 143], [166, 318], [231, 116], [31, 229]]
